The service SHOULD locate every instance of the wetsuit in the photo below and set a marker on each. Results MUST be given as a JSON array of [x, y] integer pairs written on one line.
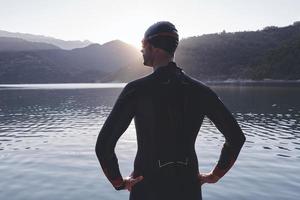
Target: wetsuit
[[168, 108]]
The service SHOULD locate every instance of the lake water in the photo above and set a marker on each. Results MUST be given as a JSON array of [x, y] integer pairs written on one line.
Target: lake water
[[48, 135]]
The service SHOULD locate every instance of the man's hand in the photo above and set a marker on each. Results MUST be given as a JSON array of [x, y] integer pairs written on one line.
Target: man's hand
[[130, 181], [208, 178]]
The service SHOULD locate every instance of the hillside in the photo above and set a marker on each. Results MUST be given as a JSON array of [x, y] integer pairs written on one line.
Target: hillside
[[271, 53], [44, 39], [16, 44], [89, 64]]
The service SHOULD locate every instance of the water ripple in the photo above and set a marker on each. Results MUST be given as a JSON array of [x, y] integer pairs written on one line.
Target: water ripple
[[47, 140]]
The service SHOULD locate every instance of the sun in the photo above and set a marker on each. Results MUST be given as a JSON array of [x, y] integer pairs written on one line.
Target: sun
[[135, 42]]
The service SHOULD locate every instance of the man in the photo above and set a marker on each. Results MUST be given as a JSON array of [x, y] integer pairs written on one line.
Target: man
[[168, 108]]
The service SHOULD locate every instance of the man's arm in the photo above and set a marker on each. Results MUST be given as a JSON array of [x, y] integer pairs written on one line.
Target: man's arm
[[115, 125], [228, 126]]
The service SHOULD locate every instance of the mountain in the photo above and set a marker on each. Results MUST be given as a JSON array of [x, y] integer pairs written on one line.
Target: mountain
[[282, 62], [44, 39], [128, 73], [110, 56], [89, 64], [16, 44], [271, 53]]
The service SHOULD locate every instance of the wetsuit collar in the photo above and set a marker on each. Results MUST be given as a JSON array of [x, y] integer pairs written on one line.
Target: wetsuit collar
[[170, 67]]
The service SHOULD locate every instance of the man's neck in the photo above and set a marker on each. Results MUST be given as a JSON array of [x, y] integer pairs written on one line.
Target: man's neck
[[162, 63]]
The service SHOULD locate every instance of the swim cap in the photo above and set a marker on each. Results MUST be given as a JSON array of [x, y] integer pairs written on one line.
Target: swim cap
[[162, 35]]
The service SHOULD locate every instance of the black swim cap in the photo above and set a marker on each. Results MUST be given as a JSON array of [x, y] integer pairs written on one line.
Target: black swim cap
[[163, 35]]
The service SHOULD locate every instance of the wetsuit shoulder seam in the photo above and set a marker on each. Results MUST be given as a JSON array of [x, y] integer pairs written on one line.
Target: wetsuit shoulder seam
[[140, 82]]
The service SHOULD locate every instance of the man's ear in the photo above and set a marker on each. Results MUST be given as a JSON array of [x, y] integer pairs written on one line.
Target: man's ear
[[161, 51], [154, 49]]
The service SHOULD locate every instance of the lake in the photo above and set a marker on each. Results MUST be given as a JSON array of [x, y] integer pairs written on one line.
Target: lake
[[48, 134]]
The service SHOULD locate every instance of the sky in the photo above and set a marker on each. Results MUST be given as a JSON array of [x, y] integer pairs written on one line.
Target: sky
[[102, 21]]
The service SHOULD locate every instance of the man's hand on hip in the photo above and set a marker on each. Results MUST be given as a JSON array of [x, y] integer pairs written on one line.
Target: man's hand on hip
[[130, 181], [207, 178]]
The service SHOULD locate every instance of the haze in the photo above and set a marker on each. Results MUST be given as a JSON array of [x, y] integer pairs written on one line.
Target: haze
[[103, 21]]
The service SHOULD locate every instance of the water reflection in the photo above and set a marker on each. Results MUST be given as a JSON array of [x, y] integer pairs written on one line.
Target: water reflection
[[47, 139]]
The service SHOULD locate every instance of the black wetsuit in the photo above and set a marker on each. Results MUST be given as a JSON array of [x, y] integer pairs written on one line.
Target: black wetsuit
[[168, 108]]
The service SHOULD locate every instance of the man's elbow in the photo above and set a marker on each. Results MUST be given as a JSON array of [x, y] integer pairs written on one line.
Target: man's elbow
[[98, 149], [102, 149], [238, 141], [242, 140]]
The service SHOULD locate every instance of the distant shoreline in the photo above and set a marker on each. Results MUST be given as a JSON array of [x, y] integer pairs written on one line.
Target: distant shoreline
[[32, 86], [268, 82], [206, 81], [257, 81]]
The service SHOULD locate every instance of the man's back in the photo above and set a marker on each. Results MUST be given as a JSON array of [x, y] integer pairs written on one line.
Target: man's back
[[168, 109], [167, 118]]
